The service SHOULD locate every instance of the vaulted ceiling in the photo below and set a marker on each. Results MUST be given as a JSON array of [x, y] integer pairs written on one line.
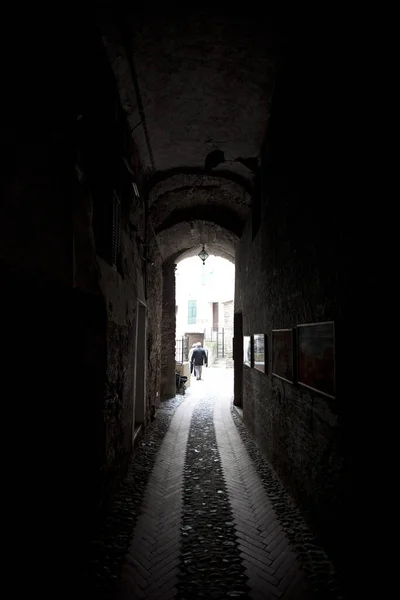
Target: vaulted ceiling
[[197, 90]]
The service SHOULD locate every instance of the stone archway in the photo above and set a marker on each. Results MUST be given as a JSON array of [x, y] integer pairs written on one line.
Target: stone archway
[[178, 243]]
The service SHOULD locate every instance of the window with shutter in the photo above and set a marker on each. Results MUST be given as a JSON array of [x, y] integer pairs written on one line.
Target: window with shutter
[[192, 312]]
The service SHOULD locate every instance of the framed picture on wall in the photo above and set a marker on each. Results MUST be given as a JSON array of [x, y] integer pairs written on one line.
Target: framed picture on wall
[[282, 354], [260, 352], [248, 350], [316, 357]]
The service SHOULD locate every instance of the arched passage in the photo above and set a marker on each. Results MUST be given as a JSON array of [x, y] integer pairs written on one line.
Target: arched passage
[[187, 209], [182, 241], [127, 174]]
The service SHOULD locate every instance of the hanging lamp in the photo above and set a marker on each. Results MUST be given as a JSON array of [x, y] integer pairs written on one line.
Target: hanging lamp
[[203, 255]]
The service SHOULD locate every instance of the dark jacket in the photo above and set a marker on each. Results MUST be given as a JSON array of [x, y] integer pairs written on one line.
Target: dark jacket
[[199, 357]]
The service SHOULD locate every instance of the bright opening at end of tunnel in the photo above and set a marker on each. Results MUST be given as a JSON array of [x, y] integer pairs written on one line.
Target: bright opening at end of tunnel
[[204, 315]]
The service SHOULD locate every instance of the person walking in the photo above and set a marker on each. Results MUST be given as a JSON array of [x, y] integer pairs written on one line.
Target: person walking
[[199, 358], [191, 359]]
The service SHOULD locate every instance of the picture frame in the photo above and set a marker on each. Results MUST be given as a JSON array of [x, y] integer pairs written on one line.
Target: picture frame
[[316, 357], [283, 363], [248, 358], [260, 353]]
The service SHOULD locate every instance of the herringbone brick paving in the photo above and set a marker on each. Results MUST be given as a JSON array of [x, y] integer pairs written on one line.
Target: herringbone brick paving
[[153, 566], [271, 565], [212, 565]]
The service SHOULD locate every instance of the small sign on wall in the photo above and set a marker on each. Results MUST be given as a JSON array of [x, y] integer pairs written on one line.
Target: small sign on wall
[[260, 352], [282, 354], [248, 350]]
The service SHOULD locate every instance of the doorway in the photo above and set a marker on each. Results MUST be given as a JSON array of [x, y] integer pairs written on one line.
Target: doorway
[[139, 400], [215, 307], [238, 358]]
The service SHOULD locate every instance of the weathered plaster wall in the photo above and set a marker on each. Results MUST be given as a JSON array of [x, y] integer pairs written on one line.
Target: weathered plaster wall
[[71, 314], [121, 281]]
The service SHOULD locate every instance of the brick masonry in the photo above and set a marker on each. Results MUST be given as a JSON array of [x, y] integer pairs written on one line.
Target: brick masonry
[[300, 432], [296, 264], [228, 335], [168, 327], [154, 311]]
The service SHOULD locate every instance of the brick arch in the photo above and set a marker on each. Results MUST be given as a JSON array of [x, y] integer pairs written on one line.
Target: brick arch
[[191, 197], [217, 214], [186, 239], [173, 178], [210, 249], [177, 242]]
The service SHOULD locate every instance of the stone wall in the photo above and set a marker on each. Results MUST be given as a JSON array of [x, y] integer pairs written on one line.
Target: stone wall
[[71, 308], [228, 332], [228, 315], [296, 265], [118, 236], [301, 432], [168, 327], [154, 309]]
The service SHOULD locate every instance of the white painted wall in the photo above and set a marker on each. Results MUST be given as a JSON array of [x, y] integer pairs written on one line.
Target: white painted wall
[[213, 282]]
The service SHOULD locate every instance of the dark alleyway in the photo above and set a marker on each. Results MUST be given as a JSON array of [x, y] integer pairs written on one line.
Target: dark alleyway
[[133, 139], [201, 514]]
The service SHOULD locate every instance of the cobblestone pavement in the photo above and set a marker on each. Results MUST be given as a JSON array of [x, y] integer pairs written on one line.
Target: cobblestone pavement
[[202, 515]]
